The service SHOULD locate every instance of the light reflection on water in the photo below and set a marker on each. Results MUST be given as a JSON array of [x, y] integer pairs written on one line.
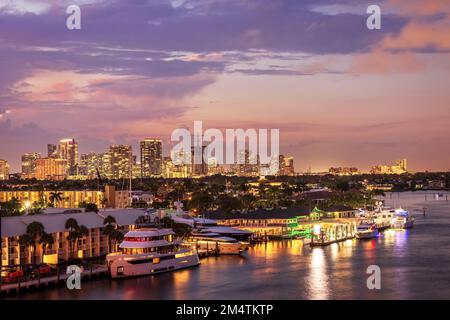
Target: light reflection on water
[[414, 265]]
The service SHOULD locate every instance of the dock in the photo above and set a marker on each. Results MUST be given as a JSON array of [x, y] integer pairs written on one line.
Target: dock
[[42, 283]]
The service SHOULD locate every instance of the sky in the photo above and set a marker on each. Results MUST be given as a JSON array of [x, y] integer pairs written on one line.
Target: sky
[[341, 94]]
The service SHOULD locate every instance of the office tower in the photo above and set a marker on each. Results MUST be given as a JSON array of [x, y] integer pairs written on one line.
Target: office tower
[[121, 161], [29, 164], [52, 151], [68, 150], [4, 170], [51, 169], [136, 169], [199, 167], [402, 164], [286, 165], [151, 157]]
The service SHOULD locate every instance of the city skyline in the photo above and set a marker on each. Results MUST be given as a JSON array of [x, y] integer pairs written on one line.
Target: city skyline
[[339, 93]]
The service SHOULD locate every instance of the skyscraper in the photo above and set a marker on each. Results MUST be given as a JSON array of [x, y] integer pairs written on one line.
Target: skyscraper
[[52, 151], [29, 163], [68, 150], [151, 157], [4, 170], [121, 161]]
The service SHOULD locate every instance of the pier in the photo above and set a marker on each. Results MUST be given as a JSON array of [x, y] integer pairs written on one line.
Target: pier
[[42, 283]]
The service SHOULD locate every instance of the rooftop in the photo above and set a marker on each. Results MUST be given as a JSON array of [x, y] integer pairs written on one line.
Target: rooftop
[[54, 222]]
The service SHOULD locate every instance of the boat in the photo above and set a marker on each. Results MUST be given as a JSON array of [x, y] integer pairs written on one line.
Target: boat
[[402, 219], [210, 225], [206, 240], [149, 251], [366, 231], [383, 218]]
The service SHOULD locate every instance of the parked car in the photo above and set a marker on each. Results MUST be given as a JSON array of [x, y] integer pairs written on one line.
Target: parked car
[[13, 276]]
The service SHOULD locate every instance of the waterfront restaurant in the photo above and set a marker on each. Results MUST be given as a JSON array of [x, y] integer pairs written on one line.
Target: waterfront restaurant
[[94, 245], [267, 223], [288, 222]]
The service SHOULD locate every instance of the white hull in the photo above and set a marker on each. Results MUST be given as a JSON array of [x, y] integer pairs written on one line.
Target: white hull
[[367, 234], [222, 247], [403, 225], [124, 265]]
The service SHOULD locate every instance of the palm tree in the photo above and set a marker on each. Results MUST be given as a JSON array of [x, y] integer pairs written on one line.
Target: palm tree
[[55, 198], [110, 229], [74, 233], [46, 241], [34, 232]]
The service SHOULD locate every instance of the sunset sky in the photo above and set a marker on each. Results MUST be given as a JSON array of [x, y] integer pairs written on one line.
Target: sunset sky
[[341, 95]]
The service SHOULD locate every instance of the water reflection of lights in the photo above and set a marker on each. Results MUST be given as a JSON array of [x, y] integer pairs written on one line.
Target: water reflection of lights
[[318, 276]]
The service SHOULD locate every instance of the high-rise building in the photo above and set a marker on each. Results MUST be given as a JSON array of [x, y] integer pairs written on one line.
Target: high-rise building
[[399, 168], [151, 157], [4, 170], [68, 150], [29, 164], [52, 151], [50, 169], [121, 161], [286, 165], [402, 164], [199, 167]]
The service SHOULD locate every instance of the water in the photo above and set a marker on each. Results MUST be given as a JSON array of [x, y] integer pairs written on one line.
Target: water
[[414, 264]]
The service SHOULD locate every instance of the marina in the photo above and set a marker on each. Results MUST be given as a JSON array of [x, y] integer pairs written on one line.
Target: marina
[[335, 271]]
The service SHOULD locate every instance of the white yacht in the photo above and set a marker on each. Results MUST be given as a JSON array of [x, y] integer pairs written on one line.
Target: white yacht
[[210, 225], [148, 251], [383, 218], [402, 219], [206, 240], [366, 231]]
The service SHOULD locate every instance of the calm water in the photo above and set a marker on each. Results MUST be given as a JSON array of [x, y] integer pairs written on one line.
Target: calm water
[[414, 264]]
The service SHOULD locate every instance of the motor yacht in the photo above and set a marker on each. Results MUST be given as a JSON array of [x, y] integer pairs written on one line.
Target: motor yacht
[[149, 251]]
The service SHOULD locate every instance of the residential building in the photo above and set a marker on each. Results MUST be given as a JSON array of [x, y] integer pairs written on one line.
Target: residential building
[[29, 164], [68, 150], [121, 161], [4, 170], [51, 169], [95, 244], [151, 157]]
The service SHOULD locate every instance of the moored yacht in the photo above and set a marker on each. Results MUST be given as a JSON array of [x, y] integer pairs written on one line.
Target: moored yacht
[[366, 231], [212, 226], [206, 240], [402, 219], [148, 251]]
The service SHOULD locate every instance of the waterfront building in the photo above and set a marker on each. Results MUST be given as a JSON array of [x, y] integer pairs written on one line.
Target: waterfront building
[[399, 168], [51, 169], [121, 161], [95, 244], [4, 170], [29, 164], [52, 151], [151, 157], [71, 198], [279, 223]]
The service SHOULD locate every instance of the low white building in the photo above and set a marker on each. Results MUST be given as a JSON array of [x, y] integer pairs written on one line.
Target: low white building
[[94, 245]]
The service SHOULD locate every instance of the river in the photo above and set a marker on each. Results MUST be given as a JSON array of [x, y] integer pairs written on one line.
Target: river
[[414, 264]]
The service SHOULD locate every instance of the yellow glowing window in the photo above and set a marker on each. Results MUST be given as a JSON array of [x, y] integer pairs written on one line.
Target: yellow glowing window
[[156, 260]]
